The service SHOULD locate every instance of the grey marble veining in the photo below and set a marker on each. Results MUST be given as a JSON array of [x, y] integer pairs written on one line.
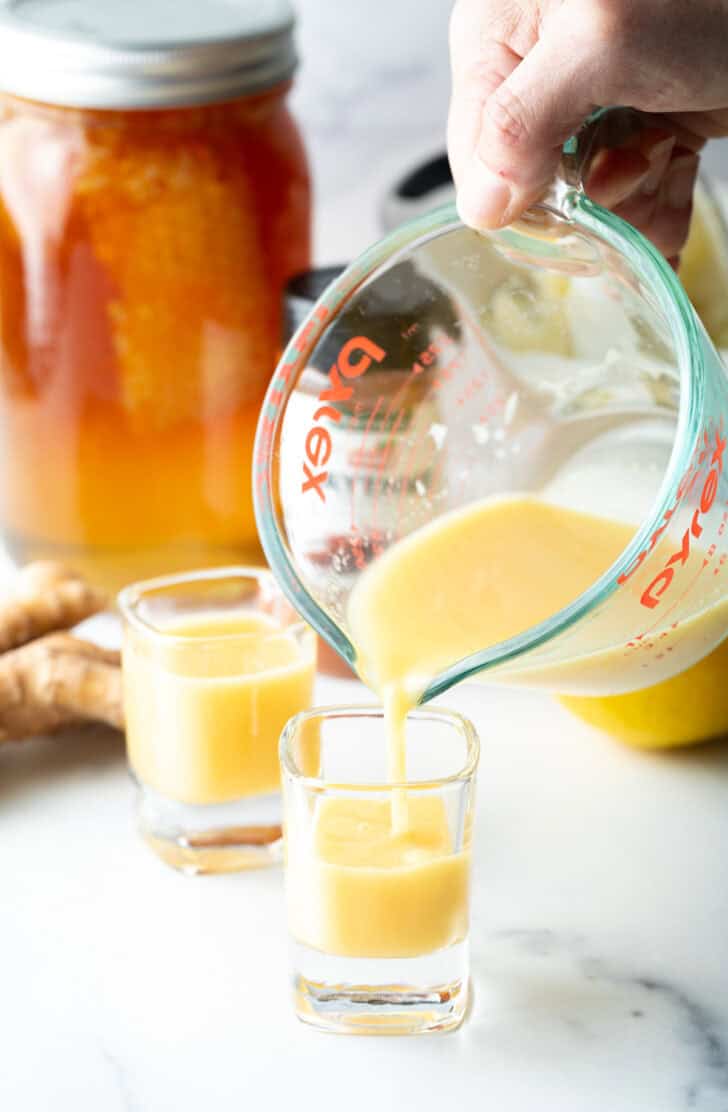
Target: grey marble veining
[[121, 1081], [581, 998]]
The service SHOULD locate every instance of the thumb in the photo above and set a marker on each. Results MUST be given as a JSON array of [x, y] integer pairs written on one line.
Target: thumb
[[524, 123]]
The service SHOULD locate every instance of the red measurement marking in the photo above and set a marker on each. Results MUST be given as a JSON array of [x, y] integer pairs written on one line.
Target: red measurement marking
[[660, 620], [357, 549], [445, 375], [473, 387], [714, 446], [383, 463], [370, 421], [436, 347], [301, 340], [398, 393], [447, 371], [406, 479], [376, 542], [361, 451]]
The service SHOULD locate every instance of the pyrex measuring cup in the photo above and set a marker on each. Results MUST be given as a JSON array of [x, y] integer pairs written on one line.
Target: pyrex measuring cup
[[559, 357]]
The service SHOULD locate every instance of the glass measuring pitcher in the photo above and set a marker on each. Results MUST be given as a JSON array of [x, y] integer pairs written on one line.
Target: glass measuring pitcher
[[558, 357]]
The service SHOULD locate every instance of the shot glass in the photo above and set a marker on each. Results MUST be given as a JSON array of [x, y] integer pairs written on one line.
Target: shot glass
[[214, 664], [378, 874]]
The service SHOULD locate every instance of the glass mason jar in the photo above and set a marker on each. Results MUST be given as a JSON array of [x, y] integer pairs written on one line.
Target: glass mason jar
[[154, 199]]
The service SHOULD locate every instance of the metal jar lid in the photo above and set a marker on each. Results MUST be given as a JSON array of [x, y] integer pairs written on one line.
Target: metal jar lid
[[143, 53]]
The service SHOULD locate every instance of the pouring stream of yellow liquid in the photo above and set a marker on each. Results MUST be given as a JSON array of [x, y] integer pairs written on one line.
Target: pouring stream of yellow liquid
[[462, 583], [466, 581]]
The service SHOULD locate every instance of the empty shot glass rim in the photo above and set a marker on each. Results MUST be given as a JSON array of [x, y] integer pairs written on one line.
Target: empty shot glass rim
[[376, 710], [129, 597]]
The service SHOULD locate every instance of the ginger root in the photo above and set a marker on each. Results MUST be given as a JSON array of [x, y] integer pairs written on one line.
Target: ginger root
[[58, 680], [45, 597], [50, 679]]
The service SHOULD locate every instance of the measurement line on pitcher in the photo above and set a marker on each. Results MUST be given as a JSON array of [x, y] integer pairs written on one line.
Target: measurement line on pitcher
[[425, 359], [413, 373], [379, 479], [408, 471], [647, 639], [358, 456], [439, 467]]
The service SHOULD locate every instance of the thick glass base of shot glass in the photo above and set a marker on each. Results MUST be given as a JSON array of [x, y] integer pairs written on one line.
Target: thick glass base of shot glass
[[211, 838], [381, 996]]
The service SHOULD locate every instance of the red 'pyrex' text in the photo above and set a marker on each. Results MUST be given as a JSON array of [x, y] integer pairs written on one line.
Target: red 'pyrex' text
[[354, 359], [654, 591]]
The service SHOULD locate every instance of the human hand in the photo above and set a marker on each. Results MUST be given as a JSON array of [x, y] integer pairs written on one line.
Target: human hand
[[526, 74]]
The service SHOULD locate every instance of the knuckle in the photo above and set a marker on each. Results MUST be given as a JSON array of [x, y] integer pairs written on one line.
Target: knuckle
[[479, 80], [509, 116], [483, 76]]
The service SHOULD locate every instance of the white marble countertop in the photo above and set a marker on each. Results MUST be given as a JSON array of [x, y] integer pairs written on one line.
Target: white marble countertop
[[599, 943], [600, 926]]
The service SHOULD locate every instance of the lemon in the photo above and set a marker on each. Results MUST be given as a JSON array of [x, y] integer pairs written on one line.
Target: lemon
[[704, 266], [693, 706], [689, 708]]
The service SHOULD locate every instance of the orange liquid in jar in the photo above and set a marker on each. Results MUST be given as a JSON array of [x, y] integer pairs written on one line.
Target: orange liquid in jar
[[142, 258]]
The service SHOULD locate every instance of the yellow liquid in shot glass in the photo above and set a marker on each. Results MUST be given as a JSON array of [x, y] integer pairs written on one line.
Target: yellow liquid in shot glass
[[206, 700], [366, 889]]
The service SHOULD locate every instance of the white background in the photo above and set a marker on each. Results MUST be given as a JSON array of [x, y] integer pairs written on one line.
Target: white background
[[372, 94]]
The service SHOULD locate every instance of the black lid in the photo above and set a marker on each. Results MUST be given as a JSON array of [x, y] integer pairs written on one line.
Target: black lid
[[383, 309], [425, 179], [301, 294]]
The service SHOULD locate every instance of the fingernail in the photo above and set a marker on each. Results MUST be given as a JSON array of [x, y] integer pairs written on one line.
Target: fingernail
[[680, 182], [483, 198]]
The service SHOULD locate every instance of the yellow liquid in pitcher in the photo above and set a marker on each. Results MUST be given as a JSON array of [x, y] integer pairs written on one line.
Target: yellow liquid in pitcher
[[467, 581]]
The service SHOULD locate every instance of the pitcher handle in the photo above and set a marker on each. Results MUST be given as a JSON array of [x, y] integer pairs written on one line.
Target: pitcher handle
[[604, 129]]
